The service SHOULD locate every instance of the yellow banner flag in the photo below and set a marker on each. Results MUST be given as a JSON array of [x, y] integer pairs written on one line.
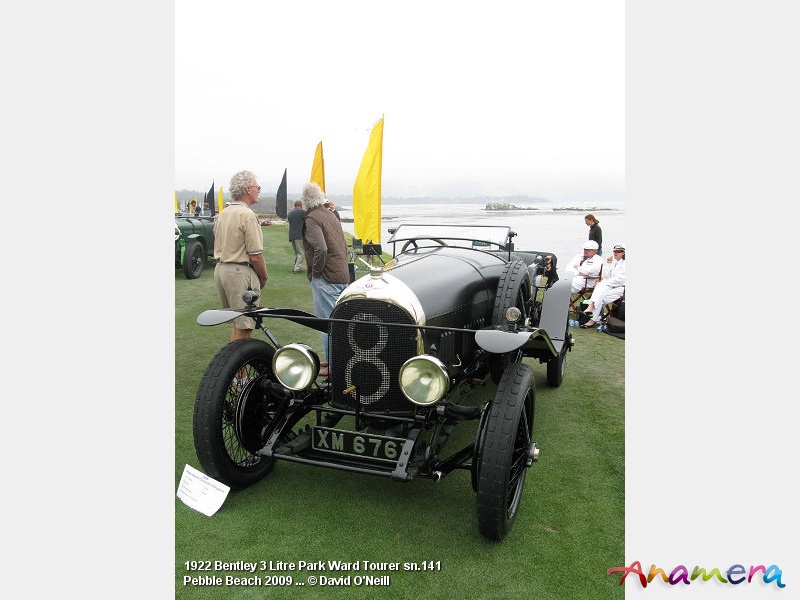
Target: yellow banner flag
[[318, 168], [220, 203], [177, 209], [367, 190]]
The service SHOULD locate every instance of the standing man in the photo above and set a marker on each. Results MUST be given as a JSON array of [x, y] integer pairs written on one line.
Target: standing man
[[326, 256], [238, 248], [295, 218]]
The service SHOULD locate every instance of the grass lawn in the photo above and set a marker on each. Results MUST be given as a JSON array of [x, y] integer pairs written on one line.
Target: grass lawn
[[570, 529]]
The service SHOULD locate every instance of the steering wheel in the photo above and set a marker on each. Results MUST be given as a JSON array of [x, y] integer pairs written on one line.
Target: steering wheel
[[416, 246]]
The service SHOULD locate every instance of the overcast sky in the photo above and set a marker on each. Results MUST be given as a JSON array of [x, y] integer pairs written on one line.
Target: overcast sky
[[479, 98]]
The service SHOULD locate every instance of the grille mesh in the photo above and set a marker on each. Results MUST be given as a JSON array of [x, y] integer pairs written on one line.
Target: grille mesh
[[369, 357]]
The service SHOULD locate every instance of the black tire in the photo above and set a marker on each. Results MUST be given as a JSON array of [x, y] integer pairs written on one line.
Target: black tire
[[556, 367], [504, 453], [194, 259], [513, 289], [231, 424]]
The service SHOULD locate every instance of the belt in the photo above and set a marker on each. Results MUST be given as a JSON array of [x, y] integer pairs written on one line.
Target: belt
[[236, 263]]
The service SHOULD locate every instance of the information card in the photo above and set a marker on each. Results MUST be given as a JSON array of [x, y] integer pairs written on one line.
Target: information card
[[200, 492]]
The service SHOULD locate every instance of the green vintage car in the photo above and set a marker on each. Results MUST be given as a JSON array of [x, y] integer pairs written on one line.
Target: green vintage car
[[194, 244]]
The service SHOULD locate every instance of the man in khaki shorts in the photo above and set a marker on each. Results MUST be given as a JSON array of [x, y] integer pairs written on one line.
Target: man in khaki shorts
[[238, 248]]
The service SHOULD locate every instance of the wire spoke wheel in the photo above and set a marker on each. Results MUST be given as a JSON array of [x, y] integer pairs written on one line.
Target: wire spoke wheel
[[233, 414], [194, 259]]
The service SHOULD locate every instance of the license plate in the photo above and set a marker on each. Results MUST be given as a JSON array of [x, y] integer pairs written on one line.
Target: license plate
[[378, 447]]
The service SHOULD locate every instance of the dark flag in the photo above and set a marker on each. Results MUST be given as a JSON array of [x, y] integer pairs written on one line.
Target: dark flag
[[210, 199], [281, 202]]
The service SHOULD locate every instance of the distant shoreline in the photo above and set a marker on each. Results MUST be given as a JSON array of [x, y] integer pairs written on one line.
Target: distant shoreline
[[564, 208]]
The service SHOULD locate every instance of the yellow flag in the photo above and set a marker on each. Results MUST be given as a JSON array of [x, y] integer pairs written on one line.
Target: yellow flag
[[367, 190], [220, 203], [318, 168], [177, 210]]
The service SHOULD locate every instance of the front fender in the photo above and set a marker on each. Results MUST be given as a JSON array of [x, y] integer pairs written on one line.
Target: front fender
[[535, 342], [555, 307], [219, 316]]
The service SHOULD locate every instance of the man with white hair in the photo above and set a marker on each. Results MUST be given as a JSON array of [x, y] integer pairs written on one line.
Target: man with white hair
[[238, 248], [326, 256], [585, 268]]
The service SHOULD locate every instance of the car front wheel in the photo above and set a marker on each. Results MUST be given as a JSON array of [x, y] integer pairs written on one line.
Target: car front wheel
[[505, 452], [233, 414]]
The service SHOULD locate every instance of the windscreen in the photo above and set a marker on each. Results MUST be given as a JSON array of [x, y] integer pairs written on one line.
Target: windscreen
[[456, 235]]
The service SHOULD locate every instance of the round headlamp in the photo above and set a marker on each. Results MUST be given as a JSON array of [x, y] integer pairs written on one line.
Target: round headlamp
[[424, 380], [296, 366]]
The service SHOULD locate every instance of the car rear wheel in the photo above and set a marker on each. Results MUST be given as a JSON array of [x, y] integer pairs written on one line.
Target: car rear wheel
[[233, 415], [194, 259], [505, 452]]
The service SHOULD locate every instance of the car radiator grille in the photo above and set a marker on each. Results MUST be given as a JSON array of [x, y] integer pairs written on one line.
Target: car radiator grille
[[369, 357]]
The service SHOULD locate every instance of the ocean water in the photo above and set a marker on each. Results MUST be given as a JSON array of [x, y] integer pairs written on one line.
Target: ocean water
[[552, 227]]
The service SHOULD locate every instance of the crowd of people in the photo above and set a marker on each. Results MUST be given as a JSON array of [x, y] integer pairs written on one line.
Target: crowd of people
[[605, 282], [194, 209], [608, 290]]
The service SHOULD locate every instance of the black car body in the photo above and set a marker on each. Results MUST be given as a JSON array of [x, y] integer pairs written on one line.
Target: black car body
[[455, 309]]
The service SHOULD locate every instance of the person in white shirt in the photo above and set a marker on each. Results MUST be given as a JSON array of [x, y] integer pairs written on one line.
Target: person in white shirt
[[611, 288], [585, 268]]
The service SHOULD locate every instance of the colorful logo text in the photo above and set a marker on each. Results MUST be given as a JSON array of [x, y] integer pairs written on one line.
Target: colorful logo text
[[736, 574]]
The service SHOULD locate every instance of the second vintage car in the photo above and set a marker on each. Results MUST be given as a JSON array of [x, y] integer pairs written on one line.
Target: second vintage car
[[432, 341], [194, 244]]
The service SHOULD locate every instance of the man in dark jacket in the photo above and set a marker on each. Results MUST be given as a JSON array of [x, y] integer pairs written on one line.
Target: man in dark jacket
[[326, 256], [295, 218]]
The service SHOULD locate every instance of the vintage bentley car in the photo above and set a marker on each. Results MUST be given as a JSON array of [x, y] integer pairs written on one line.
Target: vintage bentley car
[[412, 343]]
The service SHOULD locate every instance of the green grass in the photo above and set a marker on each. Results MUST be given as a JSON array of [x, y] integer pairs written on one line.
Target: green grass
[[569, 531]]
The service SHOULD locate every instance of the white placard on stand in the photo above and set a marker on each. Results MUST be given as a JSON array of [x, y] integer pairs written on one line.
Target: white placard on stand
[[200, 492]]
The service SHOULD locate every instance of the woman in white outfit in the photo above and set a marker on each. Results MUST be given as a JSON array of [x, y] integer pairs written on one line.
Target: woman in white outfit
[[609, 289]]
